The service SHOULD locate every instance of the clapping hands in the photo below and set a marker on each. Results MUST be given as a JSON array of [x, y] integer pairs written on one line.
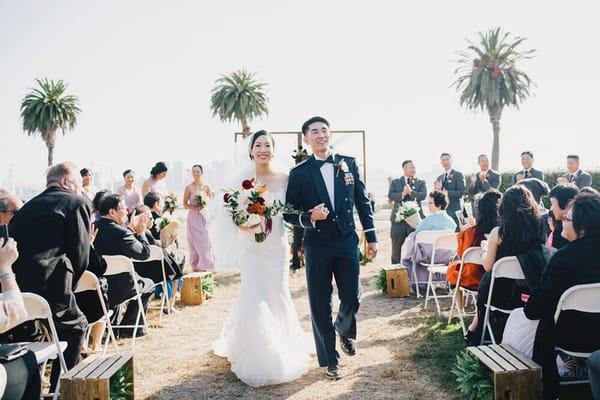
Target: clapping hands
[[8, 254], [139, 223]]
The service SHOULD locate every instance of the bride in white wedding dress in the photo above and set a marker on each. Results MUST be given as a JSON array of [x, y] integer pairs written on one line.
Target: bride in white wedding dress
[[262, 337]]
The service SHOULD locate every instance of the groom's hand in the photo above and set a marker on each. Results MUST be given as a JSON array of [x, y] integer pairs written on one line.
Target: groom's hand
[[319, 213], [372, 250]]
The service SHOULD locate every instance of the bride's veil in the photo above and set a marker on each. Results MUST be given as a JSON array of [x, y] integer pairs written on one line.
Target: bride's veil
[[225, 236]]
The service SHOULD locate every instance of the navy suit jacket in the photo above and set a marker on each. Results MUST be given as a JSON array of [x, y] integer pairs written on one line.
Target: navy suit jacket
[[113, 239], [581, 179], [455, 187], [533, 173], [306, 189], [493, 180], [419, 192]]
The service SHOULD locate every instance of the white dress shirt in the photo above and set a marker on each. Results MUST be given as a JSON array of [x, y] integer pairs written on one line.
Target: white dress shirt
[[328, 174]]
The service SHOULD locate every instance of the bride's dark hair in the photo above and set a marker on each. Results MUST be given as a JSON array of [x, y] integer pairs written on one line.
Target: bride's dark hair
[[255, 136]]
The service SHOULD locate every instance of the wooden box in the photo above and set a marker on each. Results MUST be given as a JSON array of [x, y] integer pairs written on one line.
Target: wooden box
[[515, 376], [90, 379], [397, 281], [191, 292]]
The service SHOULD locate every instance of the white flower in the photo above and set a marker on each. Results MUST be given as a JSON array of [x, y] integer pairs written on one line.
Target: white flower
[[254, 219], [407, 209]]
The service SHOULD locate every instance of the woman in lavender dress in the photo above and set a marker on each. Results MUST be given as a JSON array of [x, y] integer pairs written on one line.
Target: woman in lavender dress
[[131, 194], [196, 194]]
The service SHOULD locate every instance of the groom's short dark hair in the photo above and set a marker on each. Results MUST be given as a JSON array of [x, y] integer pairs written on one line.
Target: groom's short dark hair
[[311, 121]]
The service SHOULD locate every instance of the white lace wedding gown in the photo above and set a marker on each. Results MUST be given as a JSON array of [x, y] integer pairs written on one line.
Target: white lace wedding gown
[[262, 337]]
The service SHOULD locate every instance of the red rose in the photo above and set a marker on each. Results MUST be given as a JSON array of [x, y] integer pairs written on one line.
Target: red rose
[[247, 184], [226, 198]]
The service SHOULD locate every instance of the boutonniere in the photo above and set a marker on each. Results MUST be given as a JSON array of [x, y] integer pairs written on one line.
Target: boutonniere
[[342, 166]]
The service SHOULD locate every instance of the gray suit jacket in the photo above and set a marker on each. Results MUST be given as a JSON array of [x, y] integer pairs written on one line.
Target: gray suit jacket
[[533, 173], [455, 187], [493, 180], [419, 192], [581, 179]]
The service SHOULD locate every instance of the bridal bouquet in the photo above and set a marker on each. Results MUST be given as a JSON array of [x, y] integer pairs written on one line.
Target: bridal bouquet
[[249, 208], [200, 202], [409, 212]]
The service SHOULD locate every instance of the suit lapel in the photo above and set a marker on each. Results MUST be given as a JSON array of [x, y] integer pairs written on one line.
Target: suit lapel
[[339, 185], [319, 182]]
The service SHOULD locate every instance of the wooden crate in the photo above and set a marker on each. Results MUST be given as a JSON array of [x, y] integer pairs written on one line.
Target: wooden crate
[[90, 379], [515, 376], [397, 281], [191, 292]]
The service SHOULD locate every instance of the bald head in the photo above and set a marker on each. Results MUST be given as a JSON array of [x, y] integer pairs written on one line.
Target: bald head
[[64, 175]]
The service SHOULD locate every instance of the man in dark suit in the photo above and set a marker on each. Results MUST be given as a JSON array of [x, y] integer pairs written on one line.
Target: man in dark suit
[[485, 179], [326, 188], [453, 183], [53, 235], [528, 171], [115, 238], [576, 175], [408, 187]]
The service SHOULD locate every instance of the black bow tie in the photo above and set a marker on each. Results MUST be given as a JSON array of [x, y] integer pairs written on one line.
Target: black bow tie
[[327, 160]]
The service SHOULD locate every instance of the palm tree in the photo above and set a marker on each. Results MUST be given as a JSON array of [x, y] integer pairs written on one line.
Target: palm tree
[[489, 79], [46, 109], [239, 97]]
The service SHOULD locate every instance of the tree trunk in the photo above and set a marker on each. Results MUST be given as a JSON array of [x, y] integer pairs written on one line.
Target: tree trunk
[[245, 128], [495, 114], [50, 139]]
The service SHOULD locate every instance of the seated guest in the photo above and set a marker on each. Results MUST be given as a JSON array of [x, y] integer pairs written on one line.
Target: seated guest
[[53, 234], [560, 197], [9, 205], [471, 236], [539, 189], [594, 373], [152, 269], [528, 171], [517, 233], [152, 201], [115, 238], [131, 193], [438, 220], [21, 374], [96, 203], [574, 264], [576, 175], [588, 189]]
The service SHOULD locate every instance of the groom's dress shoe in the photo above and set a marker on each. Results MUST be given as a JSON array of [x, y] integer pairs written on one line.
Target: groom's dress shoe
[[348, 345], [334, 372]]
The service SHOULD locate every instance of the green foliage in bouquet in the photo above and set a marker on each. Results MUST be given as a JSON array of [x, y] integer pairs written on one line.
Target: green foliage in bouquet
[[474, 381], [380, 281], [300, 154], [121, 384], [208, 285], [170, 203], [162, 222]]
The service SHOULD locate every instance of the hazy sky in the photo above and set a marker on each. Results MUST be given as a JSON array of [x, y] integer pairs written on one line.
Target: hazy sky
[[143, 71]]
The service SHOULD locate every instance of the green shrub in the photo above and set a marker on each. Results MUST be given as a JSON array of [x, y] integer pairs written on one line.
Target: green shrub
[[380, 281], [474, 380]]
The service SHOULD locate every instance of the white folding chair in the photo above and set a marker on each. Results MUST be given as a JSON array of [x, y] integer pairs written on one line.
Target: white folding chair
[[472, 255], [121, 264], [583, 298], [156, 254], [506, 267], [38, 308], [423, 237], [89, 282], [445, 242]]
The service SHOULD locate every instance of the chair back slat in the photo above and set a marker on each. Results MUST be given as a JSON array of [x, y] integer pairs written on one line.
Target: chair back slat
[[584, 298]]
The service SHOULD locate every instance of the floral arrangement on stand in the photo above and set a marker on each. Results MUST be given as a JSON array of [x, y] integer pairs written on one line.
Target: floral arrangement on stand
[[170, 203], [409, 213]]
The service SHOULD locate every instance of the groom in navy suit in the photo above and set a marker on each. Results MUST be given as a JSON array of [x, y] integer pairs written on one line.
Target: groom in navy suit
[[326, 188]]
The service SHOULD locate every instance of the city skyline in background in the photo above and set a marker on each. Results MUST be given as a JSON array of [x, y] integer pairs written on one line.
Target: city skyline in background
[[144, 71]]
